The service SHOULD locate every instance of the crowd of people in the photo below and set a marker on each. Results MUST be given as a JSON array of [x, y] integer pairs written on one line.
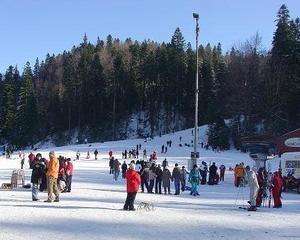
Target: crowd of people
[[54, 174], [263, 185], [152, 177], [157, 178]]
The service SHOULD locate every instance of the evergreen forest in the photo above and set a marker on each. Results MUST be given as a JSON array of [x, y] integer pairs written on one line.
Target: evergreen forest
[[106, 90]]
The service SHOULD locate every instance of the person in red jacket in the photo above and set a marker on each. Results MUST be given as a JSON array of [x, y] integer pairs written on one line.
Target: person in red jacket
[[110, 153], [277, 185], [133, 180], [69, 174]]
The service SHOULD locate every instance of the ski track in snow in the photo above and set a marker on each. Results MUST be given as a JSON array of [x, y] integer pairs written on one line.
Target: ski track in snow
[[93, 209]]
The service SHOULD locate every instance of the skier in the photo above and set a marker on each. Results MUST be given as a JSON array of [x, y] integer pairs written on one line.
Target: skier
[[145, 154], [166, 177], [251, 179], [277, 185], [163, 148], [222, 172], [96, 153], [239, 173], [124, 169], [133, 180], [38, 168], [176, 178], [194, 179], [180, 138]]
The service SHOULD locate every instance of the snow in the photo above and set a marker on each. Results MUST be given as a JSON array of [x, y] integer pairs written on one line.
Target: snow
[[93, 209]]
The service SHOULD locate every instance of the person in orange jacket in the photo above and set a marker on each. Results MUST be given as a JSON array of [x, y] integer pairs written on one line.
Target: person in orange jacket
[[239, 173], [52, 175]]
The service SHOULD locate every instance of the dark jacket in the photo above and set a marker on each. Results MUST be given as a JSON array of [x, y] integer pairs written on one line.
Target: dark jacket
[[159, 173], [176, 176], [38, 169], [124, 167], [213, 170]]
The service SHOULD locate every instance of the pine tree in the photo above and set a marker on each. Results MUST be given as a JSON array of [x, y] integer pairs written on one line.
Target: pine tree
[[218, 135], [282, 84], [177, 73], [9, 103], [26, 116]]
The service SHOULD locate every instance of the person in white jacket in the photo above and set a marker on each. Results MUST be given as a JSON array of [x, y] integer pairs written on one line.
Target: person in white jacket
[[251, 179]]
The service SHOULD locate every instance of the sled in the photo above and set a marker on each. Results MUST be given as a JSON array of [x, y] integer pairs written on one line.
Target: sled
[[147, 206]]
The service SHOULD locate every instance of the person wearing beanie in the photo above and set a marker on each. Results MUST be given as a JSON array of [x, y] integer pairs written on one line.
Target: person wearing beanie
[[133, 181]]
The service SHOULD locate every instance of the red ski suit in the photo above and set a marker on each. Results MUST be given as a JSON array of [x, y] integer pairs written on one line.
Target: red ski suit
[[277, 185]]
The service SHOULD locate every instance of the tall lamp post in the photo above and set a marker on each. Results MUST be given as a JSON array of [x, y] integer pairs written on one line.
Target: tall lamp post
[[195, 154]]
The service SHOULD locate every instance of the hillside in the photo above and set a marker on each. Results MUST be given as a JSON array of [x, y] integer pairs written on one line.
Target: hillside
[[92, 209]]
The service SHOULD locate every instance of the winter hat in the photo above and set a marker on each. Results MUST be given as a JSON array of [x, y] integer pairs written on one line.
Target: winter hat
[[132, 166]]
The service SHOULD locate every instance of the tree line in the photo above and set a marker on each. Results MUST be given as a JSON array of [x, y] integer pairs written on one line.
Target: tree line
[[108, 89]]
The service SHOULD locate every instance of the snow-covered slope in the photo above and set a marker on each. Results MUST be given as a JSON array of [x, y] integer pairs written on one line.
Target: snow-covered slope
[[93, 209]]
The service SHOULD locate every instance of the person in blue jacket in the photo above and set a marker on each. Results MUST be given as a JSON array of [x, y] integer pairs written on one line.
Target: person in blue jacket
[[194, 179]]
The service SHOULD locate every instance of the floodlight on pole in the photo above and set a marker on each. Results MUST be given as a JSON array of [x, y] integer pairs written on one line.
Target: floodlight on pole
[[195, 154]]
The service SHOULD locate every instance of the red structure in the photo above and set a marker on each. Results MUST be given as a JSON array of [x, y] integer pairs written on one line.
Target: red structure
[[289, 142]]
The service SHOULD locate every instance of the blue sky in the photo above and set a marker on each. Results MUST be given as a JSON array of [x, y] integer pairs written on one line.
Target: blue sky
[[33, 28]]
